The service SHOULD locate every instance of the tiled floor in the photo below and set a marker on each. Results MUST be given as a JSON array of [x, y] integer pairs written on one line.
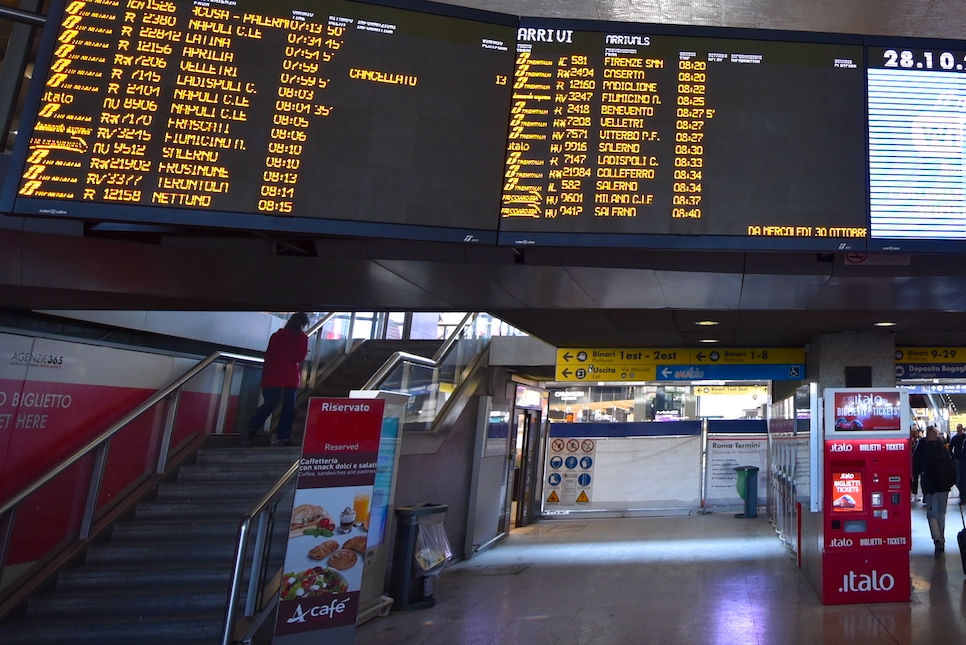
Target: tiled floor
[[677, 580]]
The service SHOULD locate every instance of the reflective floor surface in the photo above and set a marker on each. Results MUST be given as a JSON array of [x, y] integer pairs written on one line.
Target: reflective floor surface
[[675, 580]]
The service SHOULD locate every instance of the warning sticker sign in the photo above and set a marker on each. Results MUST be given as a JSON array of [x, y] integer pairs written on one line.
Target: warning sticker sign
[[570, 472]]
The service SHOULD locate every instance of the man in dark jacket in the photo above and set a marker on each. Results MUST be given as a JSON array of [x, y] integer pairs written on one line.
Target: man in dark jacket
[[923, 463], [957, 448]]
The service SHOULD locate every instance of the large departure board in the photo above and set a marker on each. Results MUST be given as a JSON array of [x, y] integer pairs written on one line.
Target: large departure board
[[917, 149], [627, 135], [304, 115]]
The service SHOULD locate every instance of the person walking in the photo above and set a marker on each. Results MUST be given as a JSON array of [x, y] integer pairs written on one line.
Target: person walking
[[956, 449], [935, 493], [281, 377]]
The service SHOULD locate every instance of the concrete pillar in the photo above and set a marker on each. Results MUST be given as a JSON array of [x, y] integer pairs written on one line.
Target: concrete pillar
[[829, 356]]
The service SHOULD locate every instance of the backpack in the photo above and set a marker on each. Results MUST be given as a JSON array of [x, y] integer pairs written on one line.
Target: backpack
[[944, 470]]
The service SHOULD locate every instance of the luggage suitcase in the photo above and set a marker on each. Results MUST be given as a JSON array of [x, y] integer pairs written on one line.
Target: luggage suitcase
[[961, 539]]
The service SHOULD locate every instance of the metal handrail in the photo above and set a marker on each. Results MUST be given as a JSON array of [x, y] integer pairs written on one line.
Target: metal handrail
[[403, 357], [321, 323], [392, 363], [26, 17], [241, 547], [119, 425], [468, 320]]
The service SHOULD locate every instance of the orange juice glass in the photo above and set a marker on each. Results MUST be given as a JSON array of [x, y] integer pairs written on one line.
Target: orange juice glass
[[360, 504]]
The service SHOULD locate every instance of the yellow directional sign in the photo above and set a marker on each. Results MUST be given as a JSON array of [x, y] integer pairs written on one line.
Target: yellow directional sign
[[577, 364], [924, 355], [748, 356], [638, 372], [582, 356], [627, 356], [731, 390]]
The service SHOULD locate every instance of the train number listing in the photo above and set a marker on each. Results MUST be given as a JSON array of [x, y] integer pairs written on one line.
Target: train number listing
[[640, 133], [317, 109]]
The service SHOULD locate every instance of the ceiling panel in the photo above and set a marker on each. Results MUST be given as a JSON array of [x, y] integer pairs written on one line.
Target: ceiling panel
[[701, 290], [460, 285], [620, 288], [781, 291], [538, 286]]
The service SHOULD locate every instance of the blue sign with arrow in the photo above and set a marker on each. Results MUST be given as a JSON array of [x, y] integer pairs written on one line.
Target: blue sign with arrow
[[764, 372]]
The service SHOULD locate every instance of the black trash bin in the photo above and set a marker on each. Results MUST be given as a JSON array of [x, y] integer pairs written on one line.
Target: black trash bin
[[409, 586], [748, 489]]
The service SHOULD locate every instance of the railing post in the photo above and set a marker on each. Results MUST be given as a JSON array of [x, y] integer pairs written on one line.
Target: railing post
[[6, 534], [316, 358], [225, 397], [258, 556], [171, 414], [236, 576], [348, 336], [94, 489]]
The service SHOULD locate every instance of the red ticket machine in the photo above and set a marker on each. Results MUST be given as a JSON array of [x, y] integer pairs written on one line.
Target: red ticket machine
[[866, 500]]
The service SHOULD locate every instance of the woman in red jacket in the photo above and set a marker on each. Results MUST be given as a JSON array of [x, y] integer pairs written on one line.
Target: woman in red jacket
[[281, 377]]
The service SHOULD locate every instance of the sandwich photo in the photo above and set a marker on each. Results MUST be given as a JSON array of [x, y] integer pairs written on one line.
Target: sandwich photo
[[307, 517]]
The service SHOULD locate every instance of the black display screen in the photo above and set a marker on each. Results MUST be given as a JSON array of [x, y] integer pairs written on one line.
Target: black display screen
[[629, 135], [302, 115]]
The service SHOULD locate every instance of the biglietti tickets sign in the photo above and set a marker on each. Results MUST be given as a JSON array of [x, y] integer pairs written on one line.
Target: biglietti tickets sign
[[328, 533]]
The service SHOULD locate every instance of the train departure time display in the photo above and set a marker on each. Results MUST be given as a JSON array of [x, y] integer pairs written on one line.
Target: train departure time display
[[917, 150], [311, 115], [627, 132]]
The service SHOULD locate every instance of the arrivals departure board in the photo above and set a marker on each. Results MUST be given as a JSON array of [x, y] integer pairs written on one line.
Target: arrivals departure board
[[627, 134], [305, 115], [917, 150]]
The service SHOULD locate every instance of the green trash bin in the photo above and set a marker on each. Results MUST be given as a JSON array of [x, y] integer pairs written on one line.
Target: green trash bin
[[747, 486]]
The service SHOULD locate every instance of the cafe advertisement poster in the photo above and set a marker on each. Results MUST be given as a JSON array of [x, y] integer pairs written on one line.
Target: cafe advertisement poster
[[328, 533]]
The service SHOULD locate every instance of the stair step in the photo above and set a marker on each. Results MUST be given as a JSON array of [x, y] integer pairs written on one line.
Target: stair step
[[261, 455], [214, 551], [196, 627], [187, 509], [232, 472], [109, 603], [139, 530], [144, 575], [197, 490]]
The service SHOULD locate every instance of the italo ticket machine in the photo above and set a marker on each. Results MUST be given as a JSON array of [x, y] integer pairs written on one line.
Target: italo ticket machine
[[866, 507]]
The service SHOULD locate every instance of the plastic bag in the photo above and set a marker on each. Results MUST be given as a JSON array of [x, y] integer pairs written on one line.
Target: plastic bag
[[432, 545]]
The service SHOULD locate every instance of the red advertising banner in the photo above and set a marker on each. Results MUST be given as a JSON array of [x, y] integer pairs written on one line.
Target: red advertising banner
[[847, 492], [868, 411], [322, 574]]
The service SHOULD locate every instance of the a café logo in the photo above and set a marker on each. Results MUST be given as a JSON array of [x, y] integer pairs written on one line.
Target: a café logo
[[320, 611]]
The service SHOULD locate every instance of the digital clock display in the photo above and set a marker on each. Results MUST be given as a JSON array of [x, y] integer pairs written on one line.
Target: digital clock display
[[917, 167], [617, 136], [309, 115]]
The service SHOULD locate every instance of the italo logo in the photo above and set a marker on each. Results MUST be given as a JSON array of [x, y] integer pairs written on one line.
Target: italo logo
[[840, 542], [321, 611], [853, 581], [841, 447]]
